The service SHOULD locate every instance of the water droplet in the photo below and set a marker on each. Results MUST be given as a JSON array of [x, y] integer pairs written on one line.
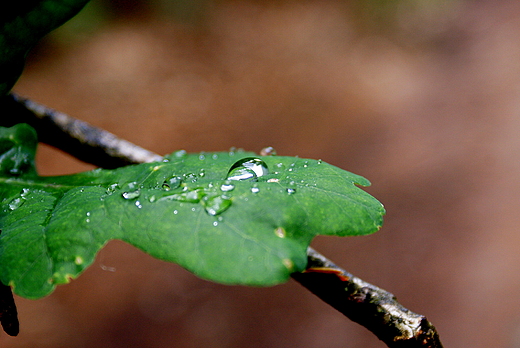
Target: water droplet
[[192, 209], [320, 161], [78, 260], [202, 156], [175, 212], [171, 183], [214, 156], [215, 223], [216, 205], [16, 203], [280, 232], [112, 188], [87, 220], [138, 204], [273, 180], [131, 194], [248, 168], [250, 258], [226, 187], [305, 164], [268, 151], [232, 151], [131, 190], [202, 173], [152, 199], [24, 192], [88, 213], [291, 191], [288, 264], [179, 154], [255, 189]]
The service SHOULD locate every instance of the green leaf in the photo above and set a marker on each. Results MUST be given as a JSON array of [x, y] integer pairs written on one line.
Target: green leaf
[[22, 24], [231, 217]]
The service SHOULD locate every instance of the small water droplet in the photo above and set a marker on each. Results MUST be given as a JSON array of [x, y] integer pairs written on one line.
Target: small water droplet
[[16, 203], [202, 156], [216, 205], [248, 168], [291, 191], [138, 204], [226, 187], [214, 156], [202, 173], [112, 188], [215, 223], [175, 212], [78, 260], [172, 183], [179, 154], [152, 199], [305, 164], [255, 189], [88, 213], [131, 194], [87, 220], [288, 264], [192, 209], [273, 180], [250, 258], [280, 232], [268, 151], [24, 192], [320, 161]]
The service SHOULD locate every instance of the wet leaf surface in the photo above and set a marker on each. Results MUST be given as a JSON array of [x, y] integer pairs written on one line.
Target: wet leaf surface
[[230, 217]]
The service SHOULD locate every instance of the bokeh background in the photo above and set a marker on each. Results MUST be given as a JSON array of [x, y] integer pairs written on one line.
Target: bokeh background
[[422, 97]]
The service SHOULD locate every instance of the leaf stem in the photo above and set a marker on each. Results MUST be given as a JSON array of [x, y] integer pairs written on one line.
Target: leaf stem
[[366, 304]]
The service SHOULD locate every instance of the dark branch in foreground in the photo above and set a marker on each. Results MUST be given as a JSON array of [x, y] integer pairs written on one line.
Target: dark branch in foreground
[[363, 303], [80, 139], [366, 304]]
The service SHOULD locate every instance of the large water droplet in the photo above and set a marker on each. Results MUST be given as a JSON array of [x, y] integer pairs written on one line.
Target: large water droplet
[[216, 204], [248, 168]]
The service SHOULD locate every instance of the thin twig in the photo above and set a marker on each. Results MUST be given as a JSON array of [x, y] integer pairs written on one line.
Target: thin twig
[[366, 304], [78, 138]]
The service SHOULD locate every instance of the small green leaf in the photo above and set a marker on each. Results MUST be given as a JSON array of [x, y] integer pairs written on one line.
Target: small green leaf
[[231, 217]]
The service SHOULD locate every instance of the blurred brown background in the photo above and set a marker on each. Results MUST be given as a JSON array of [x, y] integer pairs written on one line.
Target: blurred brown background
[[420, 97]]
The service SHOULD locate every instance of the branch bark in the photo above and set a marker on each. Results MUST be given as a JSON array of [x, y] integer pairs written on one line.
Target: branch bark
[[366, 304]]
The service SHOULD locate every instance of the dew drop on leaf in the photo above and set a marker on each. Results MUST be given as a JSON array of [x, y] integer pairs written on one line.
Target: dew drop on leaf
[[268, 151], [255, 189], [216, 205], [16, 203], [291, 191], [226, 187], [138, 204], [172, 183], [131, 191], [249, 168], [280, 232]]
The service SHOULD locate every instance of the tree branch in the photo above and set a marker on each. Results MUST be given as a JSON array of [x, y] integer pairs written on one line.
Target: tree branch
[[366, 304], [363, 303], [80, 139]]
